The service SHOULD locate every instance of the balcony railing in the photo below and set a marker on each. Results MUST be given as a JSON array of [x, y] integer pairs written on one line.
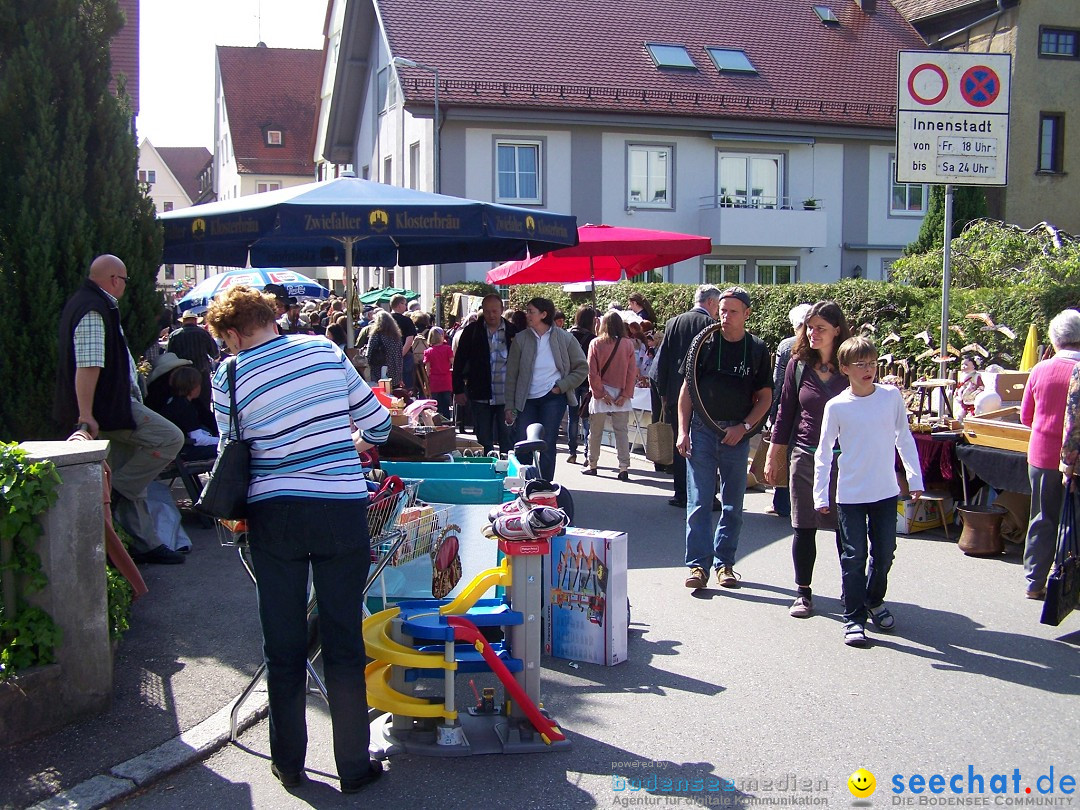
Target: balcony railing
[[762, 221]]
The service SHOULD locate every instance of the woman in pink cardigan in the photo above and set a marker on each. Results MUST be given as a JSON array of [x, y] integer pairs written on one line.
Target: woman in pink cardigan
[[1043, 410], [612, 374]]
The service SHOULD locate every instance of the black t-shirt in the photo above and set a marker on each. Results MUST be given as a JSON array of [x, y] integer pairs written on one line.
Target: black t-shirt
[[728, 374], [405, 324]]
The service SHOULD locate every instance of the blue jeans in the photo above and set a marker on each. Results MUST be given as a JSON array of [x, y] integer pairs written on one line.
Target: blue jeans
[[288, 536], [864, 589], [573, 421], [708, 455], [548, 410], [489, 424]]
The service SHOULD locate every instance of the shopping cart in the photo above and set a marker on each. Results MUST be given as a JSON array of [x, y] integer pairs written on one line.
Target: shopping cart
[[387, 540]]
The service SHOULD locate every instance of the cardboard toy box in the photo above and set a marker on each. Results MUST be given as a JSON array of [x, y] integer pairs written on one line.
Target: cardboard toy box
[[916, 516], [586, 613]]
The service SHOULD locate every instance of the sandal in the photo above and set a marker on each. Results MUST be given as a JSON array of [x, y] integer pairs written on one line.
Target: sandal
[[854, 635], [883, 620]]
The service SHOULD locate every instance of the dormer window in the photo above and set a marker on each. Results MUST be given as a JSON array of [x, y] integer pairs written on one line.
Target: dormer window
[[825, 14], [674, 57], [274, 137]]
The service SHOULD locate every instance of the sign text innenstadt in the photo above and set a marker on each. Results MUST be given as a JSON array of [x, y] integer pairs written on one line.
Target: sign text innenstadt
[[952, 121]]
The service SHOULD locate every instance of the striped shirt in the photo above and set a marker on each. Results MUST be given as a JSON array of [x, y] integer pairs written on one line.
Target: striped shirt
[[498, 351], [296, 395]]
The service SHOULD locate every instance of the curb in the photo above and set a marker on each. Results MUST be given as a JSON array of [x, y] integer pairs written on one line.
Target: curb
[[188, 747]]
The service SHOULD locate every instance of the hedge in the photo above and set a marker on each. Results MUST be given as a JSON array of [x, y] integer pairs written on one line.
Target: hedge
[[882, 307]]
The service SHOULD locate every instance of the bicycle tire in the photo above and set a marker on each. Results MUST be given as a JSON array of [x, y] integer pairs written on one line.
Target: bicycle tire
[[692, 354]]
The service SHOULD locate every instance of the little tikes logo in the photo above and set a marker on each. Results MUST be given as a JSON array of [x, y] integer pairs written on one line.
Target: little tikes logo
[[1013, 789]]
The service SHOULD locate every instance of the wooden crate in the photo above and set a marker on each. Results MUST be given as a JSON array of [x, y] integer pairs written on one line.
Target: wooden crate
[[1000, 429]]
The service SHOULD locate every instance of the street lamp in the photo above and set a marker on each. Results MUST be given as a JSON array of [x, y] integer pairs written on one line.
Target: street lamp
[[401, 61]]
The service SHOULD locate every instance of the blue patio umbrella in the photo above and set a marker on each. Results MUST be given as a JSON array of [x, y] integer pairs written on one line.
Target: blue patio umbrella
[[348, 221], [296, 284]]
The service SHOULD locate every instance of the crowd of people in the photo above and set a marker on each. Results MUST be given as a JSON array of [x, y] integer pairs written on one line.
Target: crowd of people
[[834, 436]]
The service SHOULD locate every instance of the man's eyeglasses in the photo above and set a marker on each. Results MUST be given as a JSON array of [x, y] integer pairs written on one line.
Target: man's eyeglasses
[[122, 278], [863, 365]]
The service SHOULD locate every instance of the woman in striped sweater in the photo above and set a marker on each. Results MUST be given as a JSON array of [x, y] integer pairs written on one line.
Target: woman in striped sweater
[[299, 400]]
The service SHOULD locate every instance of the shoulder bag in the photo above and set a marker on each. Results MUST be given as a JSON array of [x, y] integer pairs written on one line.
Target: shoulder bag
[[660, 441], [1063, 585], [226, 493], [586, 399]]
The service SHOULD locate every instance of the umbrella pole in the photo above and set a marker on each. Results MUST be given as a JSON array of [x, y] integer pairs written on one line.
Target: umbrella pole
[[592, 276], [350, 292]]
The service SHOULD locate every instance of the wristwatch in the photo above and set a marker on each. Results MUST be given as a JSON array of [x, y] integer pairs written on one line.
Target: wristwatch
[[83, 426], [747, 426]]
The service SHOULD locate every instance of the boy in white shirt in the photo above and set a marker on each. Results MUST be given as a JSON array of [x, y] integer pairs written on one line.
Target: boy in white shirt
[[870, 421]]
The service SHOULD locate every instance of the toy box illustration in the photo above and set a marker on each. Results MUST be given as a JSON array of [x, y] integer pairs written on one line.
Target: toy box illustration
[[586, 597]]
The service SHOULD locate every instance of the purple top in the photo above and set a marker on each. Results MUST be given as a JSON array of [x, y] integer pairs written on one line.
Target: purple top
[[809, 408]]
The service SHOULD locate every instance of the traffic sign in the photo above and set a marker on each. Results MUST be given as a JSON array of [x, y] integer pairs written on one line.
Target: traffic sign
[[952, 120]]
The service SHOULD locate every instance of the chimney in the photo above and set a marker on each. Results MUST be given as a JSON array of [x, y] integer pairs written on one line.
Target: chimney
[[868, 6]]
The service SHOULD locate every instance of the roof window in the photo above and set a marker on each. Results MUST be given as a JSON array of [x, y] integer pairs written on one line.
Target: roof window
[[731, 60], [670, 56], [825, 14], [273, 137]]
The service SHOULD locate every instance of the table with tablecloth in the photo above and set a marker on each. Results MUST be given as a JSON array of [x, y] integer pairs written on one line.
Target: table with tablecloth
[[1000, 469], [941, 472]]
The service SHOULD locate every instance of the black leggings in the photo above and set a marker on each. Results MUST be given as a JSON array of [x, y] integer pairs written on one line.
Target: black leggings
[[804, 553]]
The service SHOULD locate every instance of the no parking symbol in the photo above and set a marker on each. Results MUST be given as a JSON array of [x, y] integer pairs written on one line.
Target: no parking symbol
[[980, 86]]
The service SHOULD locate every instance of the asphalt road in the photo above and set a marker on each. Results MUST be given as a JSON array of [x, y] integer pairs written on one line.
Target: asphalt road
[[722, 689]]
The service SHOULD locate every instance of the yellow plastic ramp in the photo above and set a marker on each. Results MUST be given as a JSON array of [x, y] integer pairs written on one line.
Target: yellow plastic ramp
[[383, 648], [474, 591], [383, 698]]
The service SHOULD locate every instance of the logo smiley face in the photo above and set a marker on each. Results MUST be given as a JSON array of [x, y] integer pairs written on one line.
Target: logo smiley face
[[861, 783]]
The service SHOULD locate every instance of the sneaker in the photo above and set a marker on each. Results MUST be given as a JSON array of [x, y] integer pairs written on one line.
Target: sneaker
[[801, 608], [883, 620], [588, 471], [855, 635], [726, 577], [536, 492], [698, 578], [539, 522]]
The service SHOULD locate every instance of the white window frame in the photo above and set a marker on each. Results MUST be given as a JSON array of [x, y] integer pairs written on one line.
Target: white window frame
[[648, 199], [893, 186], [725, 266], [264, 186], [518, 144], [750, 200], [775, 264], [414, 164], [274, 137], [388, 170]]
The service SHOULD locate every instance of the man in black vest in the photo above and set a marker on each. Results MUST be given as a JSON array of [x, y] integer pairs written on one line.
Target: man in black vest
[[480, 373], [97, 391], [678, 332]]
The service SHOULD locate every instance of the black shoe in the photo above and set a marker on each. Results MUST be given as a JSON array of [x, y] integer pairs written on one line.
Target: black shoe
[[289, 780], [375, 770], [162, 555], [677, 502], [623, 475], [717, 506]]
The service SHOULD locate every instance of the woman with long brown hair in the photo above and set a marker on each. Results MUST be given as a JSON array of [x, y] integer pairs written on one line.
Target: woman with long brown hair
[[812, 378]]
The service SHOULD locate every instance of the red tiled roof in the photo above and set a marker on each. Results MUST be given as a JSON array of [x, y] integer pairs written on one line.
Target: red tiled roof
[[186, 163], [271, 88], [590, 55], [124, 52], [920, 9]]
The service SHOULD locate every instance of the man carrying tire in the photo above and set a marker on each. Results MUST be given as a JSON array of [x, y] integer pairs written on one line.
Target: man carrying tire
[[726, 395]]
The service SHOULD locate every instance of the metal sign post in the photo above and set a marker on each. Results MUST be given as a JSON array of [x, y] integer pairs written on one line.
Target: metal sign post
[[952, 127]]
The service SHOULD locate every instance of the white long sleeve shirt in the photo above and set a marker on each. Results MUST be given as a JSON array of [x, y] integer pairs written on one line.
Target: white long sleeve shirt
[[868, 428]]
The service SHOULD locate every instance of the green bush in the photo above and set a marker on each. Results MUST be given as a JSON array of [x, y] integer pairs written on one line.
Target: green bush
[[883, 308], [28, 635]]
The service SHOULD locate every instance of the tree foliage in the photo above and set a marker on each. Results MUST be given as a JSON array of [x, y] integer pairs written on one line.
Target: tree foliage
[[990, 253], [969, 204], [70, 192]]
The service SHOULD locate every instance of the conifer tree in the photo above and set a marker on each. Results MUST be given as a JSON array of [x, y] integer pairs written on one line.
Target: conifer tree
[[70, 192], [969, 204]]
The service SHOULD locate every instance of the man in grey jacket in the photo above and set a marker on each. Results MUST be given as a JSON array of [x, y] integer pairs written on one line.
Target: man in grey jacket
[[545, 365]]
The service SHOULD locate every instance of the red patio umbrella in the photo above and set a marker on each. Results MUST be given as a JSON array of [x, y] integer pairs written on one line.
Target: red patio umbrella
[[603, 253]]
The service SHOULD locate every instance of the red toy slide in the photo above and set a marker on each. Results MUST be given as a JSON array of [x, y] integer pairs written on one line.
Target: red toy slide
[[464, 630]]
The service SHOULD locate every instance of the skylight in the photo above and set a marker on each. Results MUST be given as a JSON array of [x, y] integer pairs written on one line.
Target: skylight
[[825, 14], [670, 56], [731, 60]]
